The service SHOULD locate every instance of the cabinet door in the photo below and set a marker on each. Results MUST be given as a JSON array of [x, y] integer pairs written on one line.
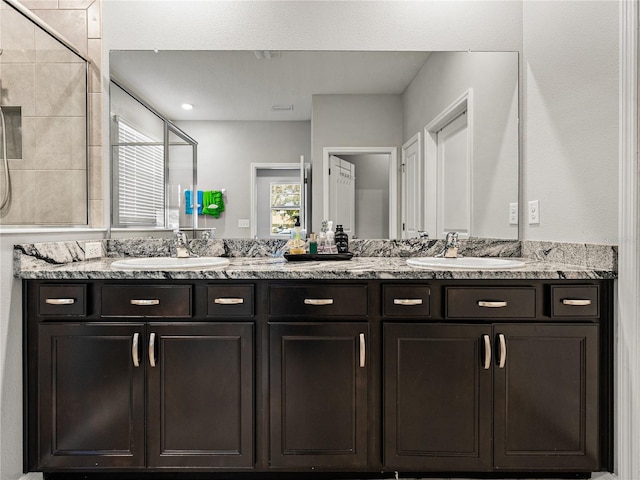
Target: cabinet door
[[546, 397], [437, 397], [91, 386], [318, 395], [200, 396]]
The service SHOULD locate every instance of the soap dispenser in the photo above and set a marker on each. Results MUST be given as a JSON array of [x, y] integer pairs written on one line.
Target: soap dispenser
[[342, 240]]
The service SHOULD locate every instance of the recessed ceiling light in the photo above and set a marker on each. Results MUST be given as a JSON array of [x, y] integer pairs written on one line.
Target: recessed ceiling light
[[187, 106], [282, 108]]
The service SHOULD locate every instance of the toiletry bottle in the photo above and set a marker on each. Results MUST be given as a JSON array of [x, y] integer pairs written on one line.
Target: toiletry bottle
[[322, 237], [342, 240], [313, 244], [297, 244], [330, 245]]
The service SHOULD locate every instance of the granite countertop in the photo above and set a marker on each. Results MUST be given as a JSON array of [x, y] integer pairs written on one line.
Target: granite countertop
[[253, 260]]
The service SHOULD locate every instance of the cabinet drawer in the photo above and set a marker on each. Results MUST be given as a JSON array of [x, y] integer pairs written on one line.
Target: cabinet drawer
[[146, 301], [318, 300], [62, 300], [574, 301], [230, 300], [406, 300], [489, 302]]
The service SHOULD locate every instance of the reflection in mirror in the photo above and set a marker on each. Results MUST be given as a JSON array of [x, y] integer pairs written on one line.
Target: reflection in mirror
[[43, 125], [275, 107]]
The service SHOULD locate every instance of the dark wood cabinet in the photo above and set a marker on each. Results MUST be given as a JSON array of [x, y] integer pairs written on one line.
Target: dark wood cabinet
[[91, 403], [362, 378], [318, 395], [437, 397], [546, 398]]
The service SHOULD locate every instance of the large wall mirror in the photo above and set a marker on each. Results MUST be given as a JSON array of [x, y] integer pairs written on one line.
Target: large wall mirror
[[390, 144]]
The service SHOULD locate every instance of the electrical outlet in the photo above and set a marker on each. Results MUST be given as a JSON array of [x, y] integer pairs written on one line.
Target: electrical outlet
[[534, 212], [243, 223], [92, 250], [513, 214]]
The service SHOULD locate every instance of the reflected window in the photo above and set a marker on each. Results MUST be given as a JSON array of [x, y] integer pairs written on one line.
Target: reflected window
[[285, 207]]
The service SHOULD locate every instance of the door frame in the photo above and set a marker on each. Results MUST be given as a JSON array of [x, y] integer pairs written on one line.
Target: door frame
[[415, 139], [432, 171], [393, 179], [254, 191]]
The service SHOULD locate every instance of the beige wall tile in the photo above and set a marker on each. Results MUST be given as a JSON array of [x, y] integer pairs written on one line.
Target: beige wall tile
[[60, 89], [48, 49], [40, 4], [94, 20], [74, 4], [95, 119], [61, 197], [95, 173], [72, 24], [27, 162], [95, 72], [18, 87], [23, 198], [60, 143], [96, 213], [18, 37]]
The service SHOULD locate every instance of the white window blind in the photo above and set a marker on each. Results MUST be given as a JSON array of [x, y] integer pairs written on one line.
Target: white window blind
[[140, 170]]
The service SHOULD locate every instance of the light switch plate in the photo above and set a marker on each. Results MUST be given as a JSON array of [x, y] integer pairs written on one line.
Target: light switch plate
[[513, 214], [92, 250], [243, 223], [534, 212]]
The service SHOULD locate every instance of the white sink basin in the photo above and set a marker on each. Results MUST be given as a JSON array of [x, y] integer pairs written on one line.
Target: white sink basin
[[169, 263], [466, 263]]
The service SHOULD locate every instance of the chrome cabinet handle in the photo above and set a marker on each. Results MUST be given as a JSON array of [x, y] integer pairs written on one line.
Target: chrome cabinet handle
[[503, 351], [145, 302], [135, 354], [407, 301], [578, 302], [152, 349], [363, 351], [487, 352], [60, 301], [491, 304], [228, 301], [318, 301]]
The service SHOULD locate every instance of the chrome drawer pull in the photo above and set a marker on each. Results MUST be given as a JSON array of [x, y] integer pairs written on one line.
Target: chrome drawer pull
[[490, 304], [318, 301], [144, 302], [487, 352], [407, 301], [503, 351], [134, 350], [363, 351], [576, 302], [228, 301], [152, 348], [60, 301]]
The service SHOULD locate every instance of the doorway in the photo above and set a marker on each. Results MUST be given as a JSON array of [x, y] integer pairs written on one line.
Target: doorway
[[371, 172]]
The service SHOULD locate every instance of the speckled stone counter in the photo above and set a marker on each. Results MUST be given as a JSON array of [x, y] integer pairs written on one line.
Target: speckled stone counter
[[373, 259]]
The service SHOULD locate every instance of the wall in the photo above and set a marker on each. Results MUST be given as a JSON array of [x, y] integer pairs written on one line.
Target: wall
[[570, 89], [570, 146], [350, 121], [493, 76], [226, 151]]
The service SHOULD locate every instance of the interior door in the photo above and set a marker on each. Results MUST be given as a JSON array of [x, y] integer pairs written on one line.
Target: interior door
[[454, 178], [411, 187], [342, 194]]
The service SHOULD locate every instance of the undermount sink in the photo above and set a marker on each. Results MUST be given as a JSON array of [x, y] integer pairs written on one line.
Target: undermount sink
[[169, 263], [467, 263]]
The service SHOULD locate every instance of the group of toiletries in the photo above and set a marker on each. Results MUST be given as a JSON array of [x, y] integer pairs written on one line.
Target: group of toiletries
[[326, 242]]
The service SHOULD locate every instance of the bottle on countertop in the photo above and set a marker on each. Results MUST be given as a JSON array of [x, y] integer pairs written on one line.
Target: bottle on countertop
[[313, 243], [330, 243], [296, 244], [341, 239]]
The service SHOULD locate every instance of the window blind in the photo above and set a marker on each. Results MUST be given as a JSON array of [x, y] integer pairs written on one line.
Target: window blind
[[140, 170]]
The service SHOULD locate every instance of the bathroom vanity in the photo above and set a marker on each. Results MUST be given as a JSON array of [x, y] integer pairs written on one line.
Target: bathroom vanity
[[362, 368]]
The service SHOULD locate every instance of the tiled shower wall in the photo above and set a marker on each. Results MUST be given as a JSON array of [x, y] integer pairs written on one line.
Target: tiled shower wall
[[49, 181]]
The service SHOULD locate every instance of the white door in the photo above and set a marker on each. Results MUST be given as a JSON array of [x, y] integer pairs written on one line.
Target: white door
[[411, 188], [342, 194], [454, 178]]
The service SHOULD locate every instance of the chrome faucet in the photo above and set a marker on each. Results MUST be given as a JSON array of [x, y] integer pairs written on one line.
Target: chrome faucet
[[181, 245], [209, 234], [450, 249]]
